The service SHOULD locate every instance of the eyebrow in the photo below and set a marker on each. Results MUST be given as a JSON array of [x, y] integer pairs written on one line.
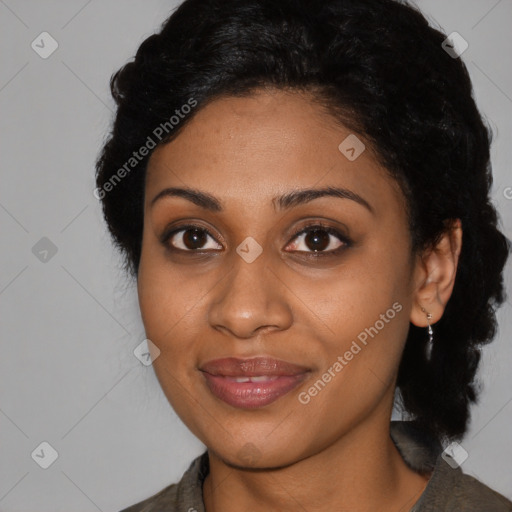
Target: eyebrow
[[283, 202]]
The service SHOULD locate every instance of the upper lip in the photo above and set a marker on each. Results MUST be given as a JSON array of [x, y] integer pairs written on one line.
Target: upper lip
[[253, 367]]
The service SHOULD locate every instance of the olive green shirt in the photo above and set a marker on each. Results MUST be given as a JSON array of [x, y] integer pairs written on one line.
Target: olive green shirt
[[448, 489]]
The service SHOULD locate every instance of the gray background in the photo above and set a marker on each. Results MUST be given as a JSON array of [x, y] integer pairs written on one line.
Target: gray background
[[70, 324]]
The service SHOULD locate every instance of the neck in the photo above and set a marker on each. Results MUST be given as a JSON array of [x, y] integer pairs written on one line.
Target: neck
[[361, 471]]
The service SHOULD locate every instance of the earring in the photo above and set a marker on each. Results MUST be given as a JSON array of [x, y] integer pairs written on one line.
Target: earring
[[428, 348]]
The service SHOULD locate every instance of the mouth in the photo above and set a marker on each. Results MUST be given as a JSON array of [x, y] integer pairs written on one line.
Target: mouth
[[252, 383]]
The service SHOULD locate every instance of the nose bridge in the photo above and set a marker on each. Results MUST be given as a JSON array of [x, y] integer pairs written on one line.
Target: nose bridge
[[250, 298]]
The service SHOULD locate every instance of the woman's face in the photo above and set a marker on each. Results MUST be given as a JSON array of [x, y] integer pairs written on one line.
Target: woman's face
[[257, 270]]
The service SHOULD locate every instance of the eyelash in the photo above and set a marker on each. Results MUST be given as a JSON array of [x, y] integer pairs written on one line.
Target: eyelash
[[312, 226]]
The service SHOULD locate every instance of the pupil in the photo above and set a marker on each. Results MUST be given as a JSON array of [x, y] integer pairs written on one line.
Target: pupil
[[317, 240], [194, 238]]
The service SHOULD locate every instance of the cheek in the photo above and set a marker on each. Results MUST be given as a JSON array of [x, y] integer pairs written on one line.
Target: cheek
[[169, 304], [365, 336], [353, 296], [169, 312], [364, 319]]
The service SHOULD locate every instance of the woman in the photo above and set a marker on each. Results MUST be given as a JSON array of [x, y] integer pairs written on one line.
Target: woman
[[301, 190]]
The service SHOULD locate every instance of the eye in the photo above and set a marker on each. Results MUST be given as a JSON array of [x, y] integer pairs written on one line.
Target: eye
[[315, 239], [318, 239], [191, 238]]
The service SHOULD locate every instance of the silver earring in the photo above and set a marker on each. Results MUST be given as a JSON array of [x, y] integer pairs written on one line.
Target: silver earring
[[428, 348]]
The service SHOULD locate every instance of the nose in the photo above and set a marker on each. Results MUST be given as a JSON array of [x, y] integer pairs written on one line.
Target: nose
[[250, 301]]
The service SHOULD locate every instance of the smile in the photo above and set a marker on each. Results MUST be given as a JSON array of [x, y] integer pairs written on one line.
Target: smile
[[252, 383]]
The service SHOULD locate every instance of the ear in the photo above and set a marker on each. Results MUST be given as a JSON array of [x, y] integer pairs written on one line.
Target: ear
[[434, 276]]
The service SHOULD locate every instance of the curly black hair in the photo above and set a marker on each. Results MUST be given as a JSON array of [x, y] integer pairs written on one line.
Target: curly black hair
[[379, 69]]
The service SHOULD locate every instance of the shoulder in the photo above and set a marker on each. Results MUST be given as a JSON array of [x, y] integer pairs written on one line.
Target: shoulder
[[449, 489], [470, 495], [183, 496]]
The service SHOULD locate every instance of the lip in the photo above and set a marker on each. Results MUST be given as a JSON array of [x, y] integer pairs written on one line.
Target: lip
[[251, 383]]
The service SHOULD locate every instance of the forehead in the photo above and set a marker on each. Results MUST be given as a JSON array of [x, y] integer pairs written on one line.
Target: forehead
[[247, 149]]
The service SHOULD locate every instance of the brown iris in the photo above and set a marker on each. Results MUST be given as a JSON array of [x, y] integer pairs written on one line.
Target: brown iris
[[317, 239]]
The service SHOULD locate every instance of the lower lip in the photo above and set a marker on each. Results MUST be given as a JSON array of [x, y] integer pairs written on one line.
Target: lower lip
[[251, 395]]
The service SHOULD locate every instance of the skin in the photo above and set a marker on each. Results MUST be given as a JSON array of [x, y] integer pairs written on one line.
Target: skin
[[333, 453]]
